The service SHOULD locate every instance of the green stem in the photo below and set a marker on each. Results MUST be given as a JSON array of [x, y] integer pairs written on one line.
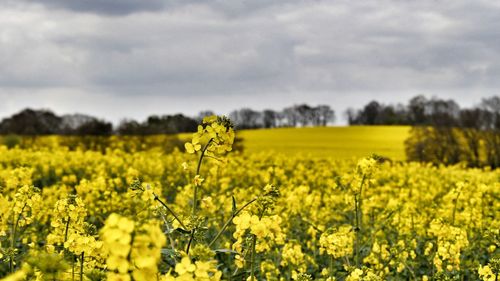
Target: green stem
[[230, 220], [360, 202], [252, 258], [66, 252], [359, 221], [170, 211], [195, 194], [81, 266], [410, 270], [191, 237], [244, 258], [66, 230], [13, 239], [347, 261], [331, 267], [311, 224], [454, 209], [129, 255], [356, 230]]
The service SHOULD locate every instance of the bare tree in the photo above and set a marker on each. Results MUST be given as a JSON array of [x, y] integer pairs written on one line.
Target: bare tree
[[491, 111], [471, 123], [32, 122], [246, 118], [416, 110], [269, 118], [291, 116], [323, 115]]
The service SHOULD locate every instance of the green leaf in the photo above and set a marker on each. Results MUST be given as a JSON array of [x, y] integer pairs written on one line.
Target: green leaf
[[182, 230], [226, 251], [168, 252], [234, 206]]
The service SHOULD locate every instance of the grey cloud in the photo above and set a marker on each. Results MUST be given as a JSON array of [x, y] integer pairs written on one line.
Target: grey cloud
[[342, 52], [230, 8], [111, 7]]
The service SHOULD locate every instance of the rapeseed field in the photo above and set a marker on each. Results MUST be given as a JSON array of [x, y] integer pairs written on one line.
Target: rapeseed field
[[208, 213], [336, 142]]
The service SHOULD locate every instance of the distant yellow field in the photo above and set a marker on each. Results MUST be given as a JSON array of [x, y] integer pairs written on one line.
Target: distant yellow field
[[337, 142]]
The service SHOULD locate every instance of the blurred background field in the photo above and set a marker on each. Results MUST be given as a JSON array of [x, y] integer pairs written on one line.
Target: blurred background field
[[336, 142], [328, 142]]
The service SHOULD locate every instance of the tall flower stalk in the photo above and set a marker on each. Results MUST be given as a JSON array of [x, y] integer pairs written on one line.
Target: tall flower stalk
[[215, 136]]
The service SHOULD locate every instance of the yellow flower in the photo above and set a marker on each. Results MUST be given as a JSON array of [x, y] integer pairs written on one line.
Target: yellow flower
[[486, 273], [118, 277], [185, 166], [243, 221], [148, 194], [126, 225], [185, 266], [239, 261], [216, 133], [202, 269], [198, 180], [338, 242], [259, 228], [191, 147], [145, 261], [355, 275], [118, 263]]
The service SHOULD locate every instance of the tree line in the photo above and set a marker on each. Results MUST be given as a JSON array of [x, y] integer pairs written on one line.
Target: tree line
[[31, 122], [469, 135], [418, 111], [442, 132], [301, 115]]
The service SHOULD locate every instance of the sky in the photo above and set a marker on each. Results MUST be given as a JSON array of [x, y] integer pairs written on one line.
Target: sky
[[118, 59]]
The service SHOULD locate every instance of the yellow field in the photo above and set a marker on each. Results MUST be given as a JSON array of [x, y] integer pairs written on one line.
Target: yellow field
[[336, 142], [320, 142], [205, 213]]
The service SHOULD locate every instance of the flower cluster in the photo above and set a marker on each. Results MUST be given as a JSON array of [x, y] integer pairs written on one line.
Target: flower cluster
[[186, 270], [133, 251], [117, 237], [68, 221], [450, 242], [293, 256], [266, 229], [486, 273], [362, 275], [394, 258], [72, 234], [26, 202], [491, 271], [379, 256], [338, 242], [366, 166], [216, 133]]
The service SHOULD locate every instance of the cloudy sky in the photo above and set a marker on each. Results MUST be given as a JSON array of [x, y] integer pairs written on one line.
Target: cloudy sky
[[133, 58]]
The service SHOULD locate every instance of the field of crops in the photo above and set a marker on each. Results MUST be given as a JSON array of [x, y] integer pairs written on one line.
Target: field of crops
[[336, 142], [207, 213]]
